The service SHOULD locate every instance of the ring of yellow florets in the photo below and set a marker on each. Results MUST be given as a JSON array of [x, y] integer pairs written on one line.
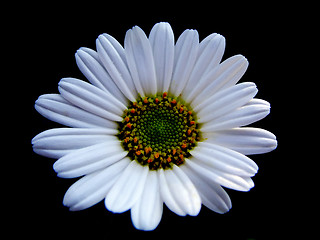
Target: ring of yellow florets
[[158, 131]]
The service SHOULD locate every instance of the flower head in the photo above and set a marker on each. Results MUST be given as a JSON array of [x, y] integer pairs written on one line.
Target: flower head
[[159, 122]]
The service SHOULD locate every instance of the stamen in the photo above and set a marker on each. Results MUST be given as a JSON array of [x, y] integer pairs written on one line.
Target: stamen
[[158, 131]]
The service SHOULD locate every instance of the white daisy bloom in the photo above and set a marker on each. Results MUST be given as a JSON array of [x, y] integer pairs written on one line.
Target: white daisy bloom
[[159, 122]]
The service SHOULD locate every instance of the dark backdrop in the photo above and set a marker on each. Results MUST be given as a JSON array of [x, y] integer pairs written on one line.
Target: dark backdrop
[[47, 39]]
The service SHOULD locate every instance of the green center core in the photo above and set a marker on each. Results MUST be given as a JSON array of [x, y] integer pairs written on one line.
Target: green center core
[[158, 131], [160, 128]]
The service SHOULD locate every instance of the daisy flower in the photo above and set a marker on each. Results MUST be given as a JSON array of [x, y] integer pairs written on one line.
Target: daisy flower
[[160, 122]]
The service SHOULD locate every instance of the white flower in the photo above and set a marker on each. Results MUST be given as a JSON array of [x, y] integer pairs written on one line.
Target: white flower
[[159, 123]]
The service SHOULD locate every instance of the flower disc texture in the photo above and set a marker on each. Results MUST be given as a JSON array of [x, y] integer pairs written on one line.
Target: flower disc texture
[[158, 122]]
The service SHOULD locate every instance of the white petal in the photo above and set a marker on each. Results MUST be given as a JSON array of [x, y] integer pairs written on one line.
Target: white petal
[[224, 159], [111, 55], [223, 76], [90, 65], [211, 50], [245, 140], [89, 159], [225, 101], [140, 61], [182, 191], [55, 143], [253, 111], [91, 99], [167, 195], [213, 196], [56, 108], [147, 211], [128, 188], [228, 180], [186, 51], [162, 43], [93, 187]]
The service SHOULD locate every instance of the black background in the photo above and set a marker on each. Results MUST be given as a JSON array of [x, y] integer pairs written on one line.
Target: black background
[[47, 38]]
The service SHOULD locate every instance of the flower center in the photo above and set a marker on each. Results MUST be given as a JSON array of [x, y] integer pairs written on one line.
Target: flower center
[[158, 131]]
